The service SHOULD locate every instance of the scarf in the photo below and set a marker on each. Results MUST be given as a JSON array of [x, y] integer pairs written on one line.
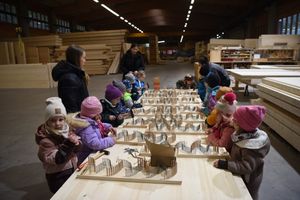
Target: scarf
[[236, 137], [64, 132]]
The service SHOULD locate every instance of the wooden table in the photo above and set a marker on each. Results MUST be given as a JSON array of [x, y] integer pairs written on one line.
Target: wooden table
[[196, 177], [253, 76], [200, 180]]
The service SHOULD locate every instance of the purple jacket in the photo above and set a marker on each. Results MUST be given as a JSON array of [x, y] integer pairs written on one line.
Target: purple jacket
[[92, 140]]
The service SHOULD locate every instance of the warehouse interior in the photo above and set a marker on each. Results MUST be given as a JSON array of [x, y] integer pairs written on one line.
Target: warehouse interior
[[171, 36]]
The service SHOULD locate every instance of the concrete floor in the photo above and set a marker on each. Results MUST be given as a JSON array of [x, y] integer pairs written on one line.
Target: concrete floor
[[22, 175]]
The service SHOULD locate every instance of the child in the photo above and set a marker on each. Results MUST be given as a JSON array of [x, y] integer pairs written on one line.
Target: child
[[111, 114], [250, 146], [213, 83], [95, 135], [220, 133], [57, 145], [122, 106], [139, 83], [134, 91], [212, 117], [187, 83]]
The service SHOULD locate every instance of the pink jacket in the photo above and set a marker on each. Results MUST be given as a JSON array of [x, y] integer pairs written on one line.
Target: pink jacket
[[221, 135]]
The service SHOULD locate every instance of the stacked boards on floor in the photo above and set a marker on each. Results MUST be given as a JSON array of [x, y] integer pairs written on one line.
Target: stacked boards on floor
[[281, 97]]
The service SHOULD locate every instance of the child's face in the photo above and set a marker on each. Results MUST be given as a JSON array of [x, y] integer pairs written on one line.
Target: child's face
[[114, 102], [142, 77], [56, 123], [97, 117]]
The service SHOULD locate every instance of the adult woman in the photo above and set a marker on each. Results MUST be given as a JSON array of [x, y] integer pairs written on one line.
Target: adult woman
[[72, 80], [132, 61]]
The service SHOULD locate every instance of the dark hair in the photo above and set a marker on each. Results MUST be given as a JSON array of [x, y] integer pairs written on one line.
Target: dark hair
[[212, 79], [203, 60], [73, 54], [204, 70], [133, 45]]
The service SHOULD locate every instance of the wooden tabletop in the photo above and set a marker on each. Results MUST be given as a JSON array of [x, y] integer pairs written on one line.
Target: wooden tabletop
[[248, 74]]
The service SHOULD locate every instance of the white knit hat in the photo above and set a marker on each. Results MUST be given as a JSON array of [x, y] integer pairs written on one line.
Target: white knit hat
[[54, 108], [227, 103]]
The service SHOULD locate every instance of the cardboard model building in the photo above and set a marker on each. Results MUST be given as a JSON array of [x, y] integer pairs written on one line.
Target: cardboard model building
[[162, 155]]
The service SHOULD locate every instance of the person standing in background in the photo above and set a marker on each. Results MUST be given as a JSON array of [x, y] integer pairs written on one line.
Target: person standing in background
[[72, 79], [132, 61]]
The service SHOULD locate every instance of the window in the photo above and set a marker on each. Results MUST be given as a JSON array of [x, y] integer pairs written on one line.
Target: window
[[38, 20], [80, 28], [8, 13], [289, 25], [62, 26]]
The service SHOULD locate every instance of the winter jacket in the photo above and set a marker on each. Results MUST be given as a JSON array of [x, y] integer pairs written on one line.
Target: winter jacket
[[132, 62], [210, 100], [221, 135], [201, 89], [109, 109], [56, 153], [222, 73], [247, 160], [72, 88], [92, 138]]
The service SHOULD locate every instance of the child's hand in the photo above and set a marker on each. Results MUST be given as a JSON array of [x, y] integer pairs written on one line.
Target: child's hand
[[120, 117], [74, 139], [112, 117], [113, 131]]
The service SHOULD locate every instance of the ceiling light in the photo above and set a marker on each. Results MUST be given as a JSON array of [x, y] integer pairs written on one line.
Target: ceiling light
[[181, 38], [126, 20], [185, 25], [129, 23], [110, 10], [192, 1], [189, 12], [222, 33], [96, 1], [161, 41], [188, 16], [191, 7], [122, 18], [183, 30]]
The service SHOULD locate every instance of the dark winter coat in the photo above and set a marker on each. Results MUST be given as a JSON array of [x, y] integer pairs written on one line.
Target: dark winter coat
[[108, 110], [223, 75], [132, 62], [72, 88]]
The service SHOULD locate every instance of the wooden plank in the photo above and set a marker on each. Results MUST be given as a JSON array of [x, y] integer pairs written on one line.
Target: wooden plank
[[4, 58], [32, 54], [20, 52], [12, 59], [44, 54], [114, 67], [291, 84]]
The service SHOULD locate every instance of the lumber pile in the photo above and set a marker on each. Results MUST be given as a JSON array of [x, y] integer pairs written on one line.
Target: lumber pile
[[12, 53], [112, 38], [281, 97], [97, 57]]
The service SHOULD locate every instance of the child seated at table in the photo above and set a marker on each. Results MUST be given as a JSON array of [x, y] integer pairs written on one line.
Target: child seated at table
[[187, 83]]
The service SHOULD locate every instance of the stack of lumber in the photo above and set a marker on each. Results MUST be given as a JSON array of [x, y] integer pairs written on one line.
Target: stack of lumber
[[97, 57], [281, 97], [114, 67], [246, 43], [12, 53], [24, 76], [112, 38], [270, 41], [153, 50]]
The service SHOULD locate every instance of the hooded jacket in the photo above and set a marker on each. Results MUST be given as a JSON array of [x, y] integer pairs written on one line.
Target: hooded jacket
[[92, 139], [72, 88], [247, 160], [56, 153]]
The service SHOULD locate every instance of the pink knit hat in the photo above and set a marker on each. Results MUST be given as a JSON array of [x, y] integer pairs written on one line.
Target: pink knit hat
[[249, 117], [90, 107]]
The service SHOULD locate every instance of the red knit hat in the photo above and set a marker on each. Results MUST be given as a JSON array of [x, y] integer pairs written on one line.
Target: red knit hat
[[227, 103], [90, 107], [249, 117]]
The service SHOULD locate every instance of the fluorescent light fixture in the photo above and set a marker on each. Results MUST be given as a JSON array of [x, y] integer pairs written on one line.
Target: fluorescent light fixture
[[161, 41], [183, 30], [96, 1], [110, 10], [188, 16], [129, 23], [126, 20], [192, 1], [189, 12], [122, 18], [185, 25], [191, 7], [222, 33], [181, 38]]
